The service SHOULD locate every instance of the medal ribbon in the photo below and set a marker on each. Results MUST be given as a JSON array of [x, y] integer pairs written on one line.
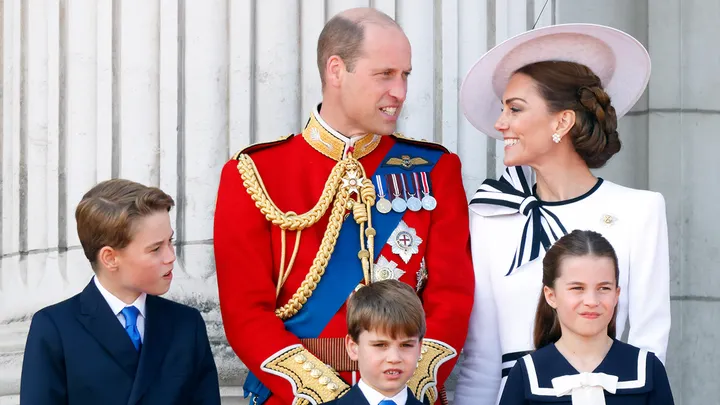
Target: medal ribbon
[[395, 188], [416, 183], [425, 183], [381, 192]]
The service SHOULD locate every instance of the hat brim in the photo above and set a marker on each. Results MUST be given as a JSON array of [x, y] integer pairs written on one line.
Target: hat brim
[[620, 61]]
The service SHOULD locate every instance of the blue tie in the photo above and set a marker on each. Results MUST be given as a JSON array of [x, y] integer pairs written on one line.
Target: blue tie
[[387, 402], [131, 313]]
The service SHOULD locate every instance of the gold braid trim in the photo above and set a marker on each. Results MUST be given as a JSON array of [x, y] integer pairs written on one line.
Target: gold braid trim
[[424, 380], [347, 169], [313, 381], [317, 269], [290, 221]]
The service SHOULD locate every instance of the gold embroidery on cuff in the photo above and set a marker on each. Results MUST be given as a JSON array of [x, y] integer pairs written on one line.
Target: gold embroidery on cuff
[[433, 354], [313, 381]]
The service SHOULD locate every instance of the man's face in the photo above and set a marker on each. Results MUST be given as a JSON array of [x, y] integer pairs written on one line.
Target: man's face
[[372, 95]]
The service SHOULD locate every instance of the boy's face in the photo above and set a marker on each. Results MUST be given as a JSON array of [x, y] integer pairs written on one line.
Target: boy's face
[[385, 364], [146, 263]]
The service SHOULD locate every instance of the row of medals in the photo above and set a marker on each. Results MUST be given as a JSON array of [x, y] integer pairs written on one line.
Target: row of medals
[[399, 204]]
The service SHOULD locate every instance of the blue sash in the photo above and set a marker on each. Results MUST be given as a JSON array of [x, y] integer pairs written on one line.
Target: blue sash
[[344, 270]]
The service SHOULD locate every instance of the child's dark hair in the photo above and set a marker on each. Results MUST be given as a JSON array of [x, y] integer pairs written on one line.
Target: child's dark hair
[[575, 244], [387, 306]]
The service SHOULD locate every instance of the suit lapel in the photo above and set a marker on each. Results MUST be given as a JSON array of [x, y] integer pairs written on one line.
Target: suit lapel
[[353, 397], [411, 400], [158, 331], [99, 320]]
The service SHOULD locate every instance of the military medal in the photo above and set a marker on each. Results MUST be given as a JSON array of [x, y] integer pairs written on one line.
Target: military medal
[[415, 194], [383, 205], [404, 241], [385, 269], [413, 203], [398, 203], [428, 202]]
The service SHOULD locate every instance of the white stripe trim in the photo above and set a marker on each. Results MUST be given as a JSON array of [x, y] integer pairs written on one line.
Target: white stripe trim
[[641, 372], [621, 385], [509, 364], [532, 378]]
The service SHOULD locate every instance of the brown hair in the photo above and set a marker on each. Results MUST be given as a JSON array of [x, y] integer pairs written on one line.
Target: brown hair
[[388, 306], [106, 214], [575, 244], [572, 86], [343, 36]]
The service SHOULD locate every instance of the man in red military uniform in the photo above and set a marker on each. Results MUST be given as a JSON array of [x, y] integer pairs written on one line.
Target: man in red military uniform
[[300, 223]]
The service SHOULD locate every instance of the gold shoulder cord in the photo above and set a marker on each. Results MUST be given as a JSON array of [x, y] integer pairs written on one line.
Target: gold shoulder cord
[[347, 188]]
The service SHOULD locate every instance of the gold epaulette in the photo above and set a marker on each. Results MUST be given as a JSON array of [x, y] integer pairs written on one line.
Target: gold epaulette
[[261, 145], [313, 382], [424, 381], [421, 142]]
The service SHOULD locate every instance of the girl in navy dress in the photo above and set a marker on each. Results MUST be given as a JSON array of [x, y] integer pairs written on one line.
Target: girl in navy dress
[[577, 361]]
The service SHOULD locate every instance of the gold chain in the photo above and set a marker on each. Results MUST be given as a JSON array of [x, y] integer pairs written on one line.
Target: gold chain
[[291, 221]]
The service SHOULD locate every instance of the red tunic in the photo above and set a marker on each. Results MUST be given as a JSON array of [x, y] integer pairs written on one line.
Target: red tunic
[[247, 253]]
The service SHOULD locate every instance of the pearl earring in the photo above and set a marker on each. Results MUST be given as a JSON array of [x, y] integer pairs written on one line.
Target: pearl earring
[[556, 138]]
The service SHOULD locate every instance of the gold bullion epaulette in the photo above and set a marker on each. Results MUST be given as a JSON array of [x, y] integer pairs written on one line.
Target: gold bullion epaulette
[[313, 381], [421, 142], [424, 381], [261, 145]]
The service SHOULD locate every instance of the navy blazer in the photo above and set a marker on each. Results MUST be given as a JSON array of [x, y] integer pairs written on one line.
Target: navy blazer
[[356, 397], [77, 353]]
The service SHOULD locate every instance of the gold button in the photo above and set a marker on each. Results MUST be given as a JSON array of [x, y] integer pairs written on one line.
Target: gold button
[[424, 349], [332, 387], [324, 380], [316, 373], [300, 359], [308, 366]]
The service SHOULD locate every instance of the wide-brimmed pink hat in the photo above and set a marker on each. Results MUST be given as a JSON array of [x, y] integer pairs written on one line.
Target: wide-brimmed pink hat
[[621, 62]]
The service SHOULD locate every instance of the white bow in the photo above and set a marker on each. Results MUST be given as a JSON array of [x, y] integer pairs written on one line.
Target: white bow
[[586, 388]]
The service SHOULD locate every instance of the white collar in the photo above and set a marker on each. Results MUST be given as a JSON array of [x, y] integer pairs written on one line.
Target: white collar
[[349, 141], [116, 303], [374, 397]]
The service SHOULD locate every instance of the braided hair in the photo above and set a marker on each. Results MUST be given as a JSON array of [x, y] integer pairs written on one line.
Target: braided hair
[[572, 86]]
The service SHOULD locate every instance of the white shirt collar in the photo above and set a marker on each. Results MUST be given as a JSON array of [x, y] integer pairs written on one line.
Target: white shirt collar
[[349, 141], [374, 397], [116, 303]]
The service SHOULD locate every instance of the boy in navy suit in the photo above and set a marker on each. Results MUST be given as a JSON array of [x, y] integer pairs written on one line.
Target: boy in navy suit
[[386, 325], [117, 342]]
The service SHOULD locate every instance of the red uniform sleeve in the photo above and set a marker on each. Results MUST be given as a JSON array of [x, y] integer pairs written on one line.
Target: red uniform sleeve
[[448, 293], [243, 259]]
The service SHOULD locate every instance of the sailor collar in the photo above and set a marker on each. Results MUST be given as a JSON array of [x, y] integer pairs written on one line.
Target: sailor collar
[[331, 143], [631, 366]]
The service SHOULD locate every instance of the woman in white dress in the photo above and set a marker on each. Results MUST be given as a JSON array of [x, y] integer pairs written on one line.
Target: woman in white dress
[[561, 90]]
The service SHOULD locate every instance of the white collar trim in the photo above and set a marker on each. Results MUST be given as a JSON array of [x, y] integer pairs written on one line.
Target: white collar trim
[[535, 388]]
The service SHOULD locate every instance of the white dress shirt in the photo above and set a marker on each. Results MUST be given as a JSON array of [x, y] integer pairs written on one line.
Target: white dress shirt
[[633, 221], [116, 305], [373, 397]]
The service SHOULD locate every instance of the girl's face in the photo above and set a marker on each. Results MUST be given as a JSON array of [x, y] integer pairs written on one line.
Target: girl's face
[[585, 295]]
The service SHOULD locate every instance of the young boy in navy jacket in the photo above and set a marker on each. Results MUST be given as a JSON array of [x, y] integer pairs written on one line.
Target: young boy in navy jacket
[[118, 342], [386, 325]]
